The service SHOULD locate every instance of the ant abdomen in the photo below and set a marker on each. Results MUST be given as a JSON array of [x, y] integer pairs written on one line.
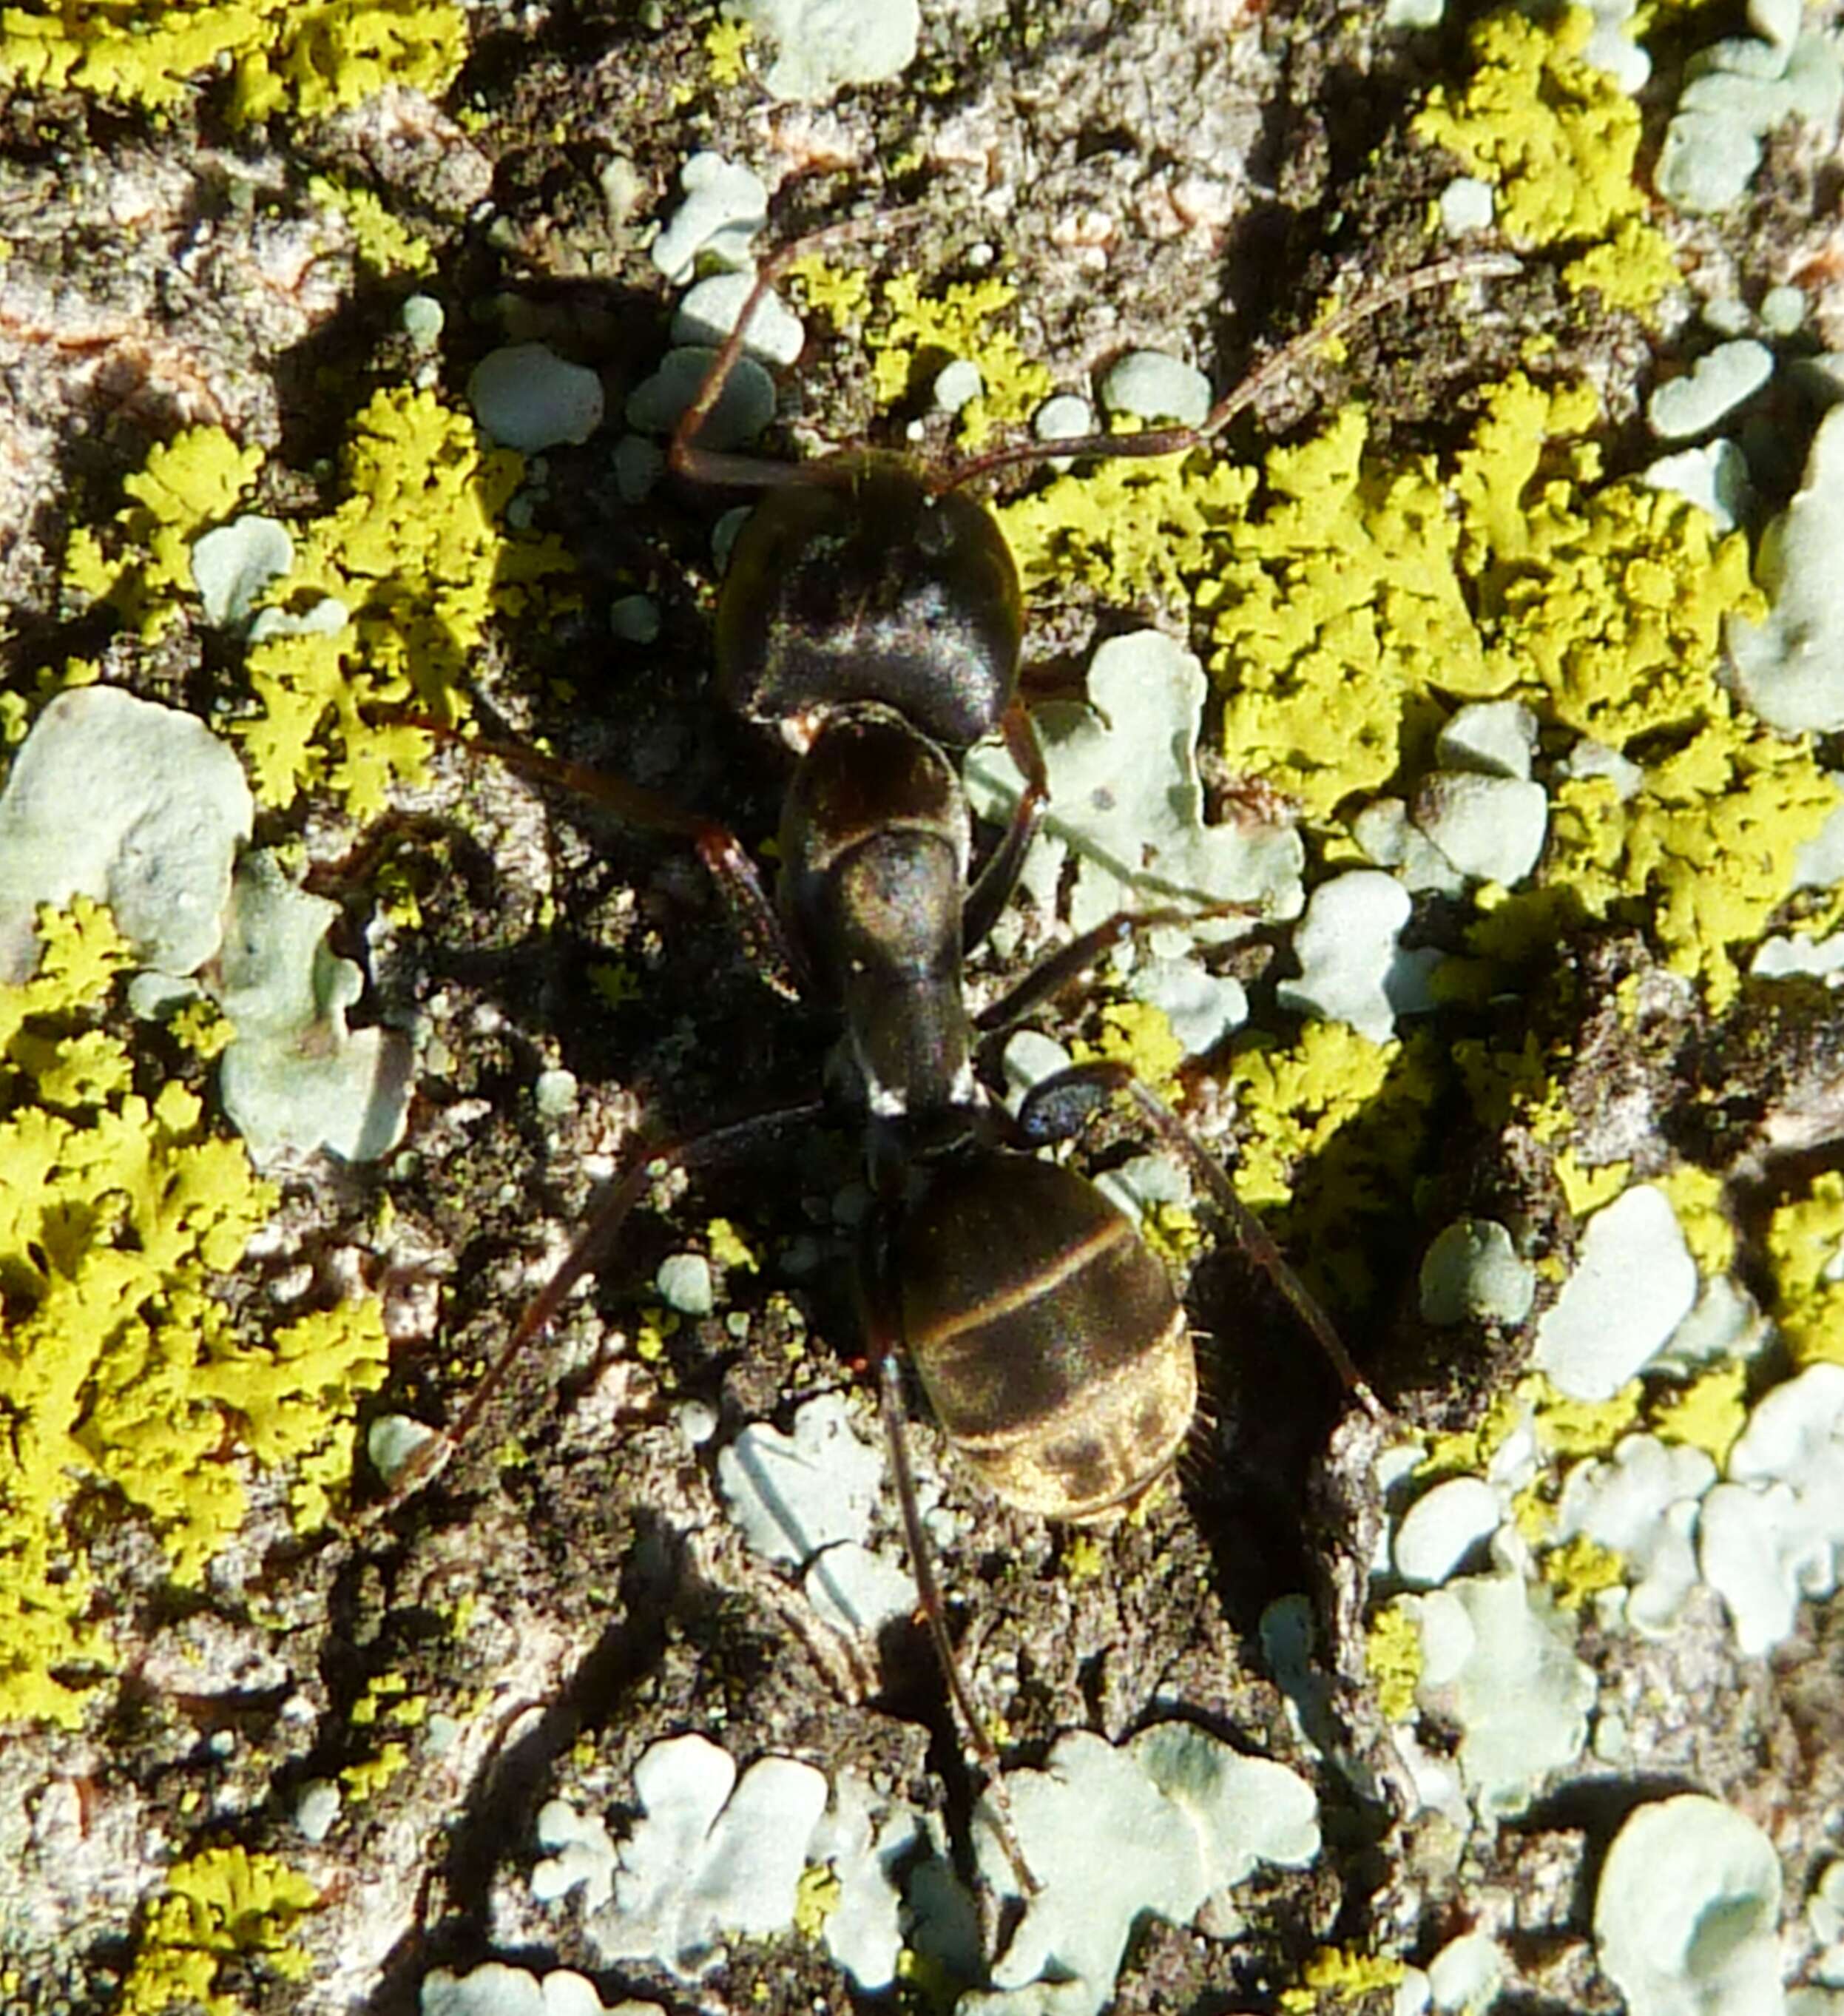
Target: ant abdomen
[[856, 583], [1048, 1335]]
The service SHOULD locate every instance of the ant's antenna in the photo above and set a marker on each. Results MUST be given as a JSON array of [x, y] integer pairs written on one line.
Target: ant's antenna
[[1170, 441]]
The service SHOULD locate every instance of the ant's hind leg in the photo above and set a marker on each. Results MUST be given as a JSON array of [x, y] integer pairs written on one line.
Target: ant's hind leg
[[592, 1246], [882, 1328], [1060, 1105]]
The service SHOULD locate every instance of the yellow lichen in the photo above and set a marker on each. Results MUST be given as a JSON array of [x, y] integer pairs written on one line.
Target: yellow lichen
[[144, 565], [222, 1904], [1392, 1660], [1341, 1977], [1708, 1414], [1139, 1035], [373, 1775], [728, 1248], [1806, 1248], [1580, 1569], [1558, 137], [386, 244], [122, 1377], [816, 1897], [1584, 1188], [918, 333], [725, 43], [308, 56], [397, 583], [1696, 1195], [1566, 1426]]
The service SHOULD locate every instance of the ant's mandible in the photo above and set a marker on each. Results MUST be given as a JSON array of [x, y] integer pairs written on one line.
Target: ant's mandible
[[872, 617]]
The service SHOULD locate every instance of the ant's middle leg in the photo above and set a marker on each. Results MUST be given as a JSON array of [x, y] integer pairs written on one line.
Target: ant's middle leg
[[592, 1246], [752, 913], [1059, 1107]]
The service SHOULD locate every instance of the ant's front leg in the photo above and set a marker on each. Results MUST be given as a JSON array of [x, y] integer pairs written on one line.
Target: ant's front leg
[[1059, 1107]]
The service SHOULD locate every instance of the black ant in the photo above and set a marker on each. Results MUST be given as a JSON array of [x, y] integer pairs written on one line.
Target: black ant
[[872, 616]]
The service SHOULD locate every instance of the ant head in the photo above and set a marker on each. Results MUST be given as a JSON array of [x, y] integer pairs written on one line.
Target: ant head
[[857, 583]]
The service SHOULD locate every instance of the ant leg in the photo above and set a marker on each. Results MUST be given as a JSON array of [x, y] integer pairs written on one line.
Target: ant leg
[[1170, 441], [992, 892], [883, 1331], [1061, 1104], [1055, 972], [591, 1247], [683, 454], [753, 915]]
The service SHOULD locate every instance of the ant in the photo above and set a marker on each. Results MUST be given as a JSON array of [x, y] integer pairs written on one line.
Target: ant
[[872, 616]]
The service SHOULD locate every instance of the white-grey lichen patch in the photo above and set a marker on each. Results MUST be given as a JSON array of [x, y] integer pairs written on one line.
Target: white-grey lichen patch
[[579, 1854], [1495, 738], [1127, 804], [709, 312], [233, 564], [725, 204], [1442, 1526], [806, 1500], [713, 1856], [1736, 93], [1714, 477], [1351, 969], [1643, 1505], [1773, 1532], [496, 1989], [822, 46], [1498, 1663], [793, 1494], [296, 1078], [684, 1281], [1790, 669], [1199, 1817], [744, 407], [1491, 829], [1716, 385], [1202, 1007], [1472, 1272], [525, 396], [393, 1442], [1391, 839], [137, 806], [1467, 204], [1633, 1282], [1463, 1979], [1148, 385], [1687, 1912]]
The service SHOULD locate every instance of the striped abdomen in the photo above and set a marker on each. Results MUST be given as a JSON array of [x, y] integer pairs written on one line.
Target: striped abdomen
[[1047, 1335]]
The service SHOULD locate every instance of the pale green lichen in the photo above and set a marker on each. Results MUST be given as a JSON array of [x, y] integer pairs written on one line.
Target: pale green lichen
[[222, 1904], [309, 57], [122, 1376]]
